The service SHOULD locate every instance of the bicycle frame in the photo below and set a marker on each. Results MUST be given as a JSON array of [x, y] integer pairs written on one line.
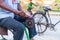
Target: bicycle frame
[[50, 24], [48, 16]]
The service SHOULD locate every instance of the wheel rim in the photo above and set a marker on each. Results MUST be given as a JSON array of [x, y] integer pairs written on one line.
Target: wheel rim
[[41, 27]]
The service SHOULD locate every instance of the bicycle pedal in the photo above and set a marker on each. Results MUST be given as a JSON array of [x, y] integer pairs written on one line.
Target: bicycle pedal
[[51, 29]]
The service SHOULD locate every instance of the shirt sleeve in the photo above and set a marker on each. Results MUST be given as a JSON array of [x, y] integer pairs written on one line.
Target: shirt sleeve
[[34, 4]]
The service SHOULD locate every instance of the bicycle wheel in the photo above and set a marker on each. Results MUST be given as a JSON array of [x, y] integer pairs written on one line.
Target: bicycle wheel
[[41, 22]]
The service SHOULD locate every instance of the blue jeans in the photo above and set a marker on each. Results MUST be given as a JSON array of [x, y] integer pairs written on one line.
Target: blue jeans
[[17, 27]]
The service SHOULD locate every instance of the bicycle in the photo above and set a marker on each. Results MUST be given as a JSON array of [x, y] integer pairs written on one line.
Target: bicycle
[[43, 22]]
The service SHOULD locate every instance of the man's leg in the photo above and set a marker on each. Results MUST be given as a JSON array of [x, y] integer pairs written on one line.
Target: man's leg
[[29, 10], [32, 30], [16, 26]]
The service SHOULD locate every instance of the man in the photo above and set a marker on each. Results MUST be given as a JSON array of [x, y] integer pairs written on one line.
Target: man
[[30, 4], [7, 10]]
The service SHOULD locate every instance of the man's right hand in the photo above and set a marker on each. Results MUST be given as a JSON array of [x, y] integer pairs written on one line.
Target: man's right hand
[[20, 13]]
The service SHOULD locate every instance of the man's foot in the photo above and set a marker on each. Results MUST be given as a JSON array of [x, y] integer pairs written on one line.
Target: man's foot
[[31, 39]]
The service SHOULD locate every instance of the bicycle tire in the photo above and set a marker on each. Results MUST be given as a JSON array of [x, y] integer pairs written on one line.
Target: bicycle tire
[[46, 25]]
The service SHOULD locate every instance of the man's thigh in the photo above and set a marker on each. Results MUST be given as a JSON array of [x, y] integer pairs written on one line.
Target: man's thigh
[[11, 23]]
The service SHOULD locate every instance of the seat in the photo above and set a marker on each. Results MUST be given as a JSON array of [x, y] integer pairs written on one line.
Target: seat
[[46, 8], [3, 31]]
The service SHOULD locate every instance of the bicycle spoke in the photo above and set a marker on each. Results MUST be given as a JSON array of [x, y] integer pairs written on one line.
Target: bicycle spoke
[[40, 28]]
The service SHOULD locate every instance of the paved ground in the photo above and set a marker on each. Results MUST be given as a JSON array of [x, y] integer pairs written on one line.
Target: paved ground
[[48, 35]]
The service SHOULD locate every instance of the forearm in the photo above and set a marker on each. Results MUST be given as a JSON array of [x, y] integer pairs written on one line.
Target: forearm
[[4, 6], [34, 4]]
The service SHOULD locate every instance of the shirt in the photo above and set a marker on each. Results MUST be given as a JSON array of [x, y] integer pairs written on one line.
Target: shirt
[[11, 3], [30, 5]]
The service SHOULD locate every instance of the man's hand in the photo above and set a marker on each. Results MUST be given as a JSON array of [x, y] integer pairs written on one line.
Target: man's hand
[[20, 13]]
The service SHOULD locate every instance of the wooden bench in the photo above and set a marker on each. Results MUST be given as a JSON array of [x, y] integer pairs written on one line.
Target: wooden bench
[[3, 31]]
